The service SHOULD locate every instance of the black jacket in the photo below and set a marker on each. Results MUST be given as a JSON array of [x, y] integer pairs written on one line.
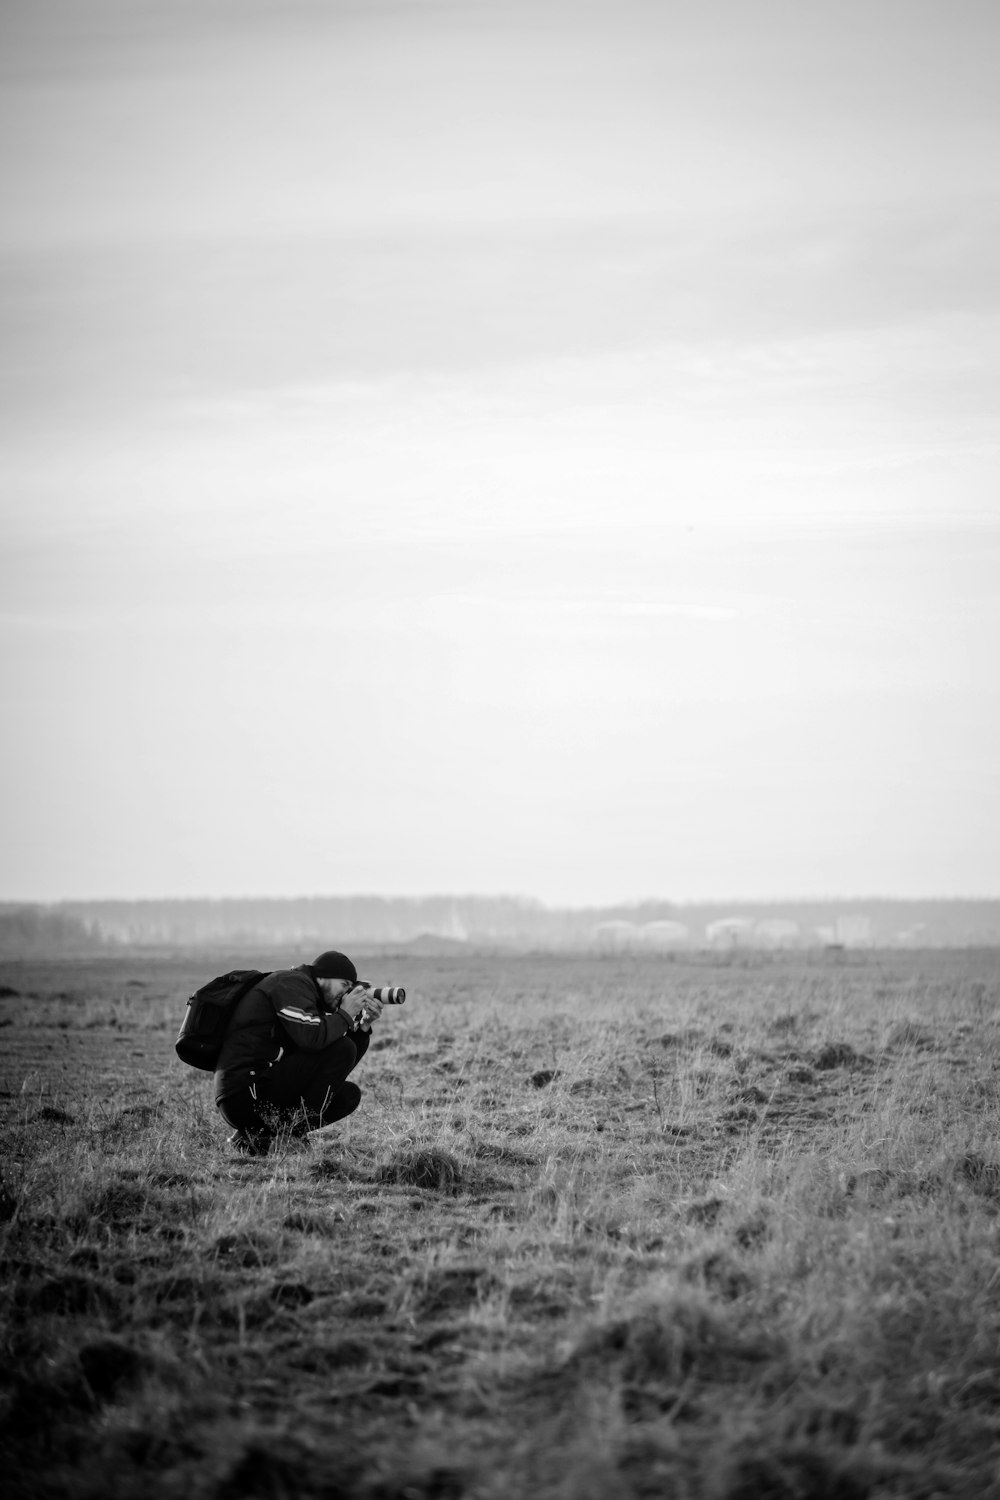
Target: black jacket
[[285, 1010]]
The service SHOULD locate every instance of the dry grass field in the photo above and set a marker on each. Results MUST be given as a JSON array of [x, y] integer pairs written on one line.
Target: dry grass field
[[701, 1227]]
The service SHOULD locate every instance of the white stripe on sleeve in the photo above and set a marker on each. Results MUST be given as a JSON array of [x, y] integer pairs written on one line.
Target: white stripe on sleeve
[[306, 1017]]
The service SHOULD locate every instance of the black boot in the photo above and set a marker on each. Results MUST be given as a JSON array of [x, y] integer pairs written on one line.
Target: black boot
[[250, 1142]]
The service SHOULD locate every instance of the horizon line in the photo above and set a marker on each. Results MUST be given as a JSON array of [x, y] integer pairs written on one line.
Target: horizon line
[[637, 901]]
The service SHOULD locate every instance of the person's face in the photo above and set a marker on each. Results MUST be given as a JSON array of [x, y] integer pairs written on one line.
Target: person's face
[[336, 989]]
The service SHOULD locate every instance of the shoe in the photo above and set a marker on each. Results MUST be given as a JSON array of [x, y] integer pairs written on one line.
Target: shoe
[[249, 1145]]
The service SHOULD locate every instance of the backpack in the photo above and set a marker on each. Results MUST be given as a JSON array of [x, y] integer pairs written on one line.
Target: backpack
[[199, 1040]]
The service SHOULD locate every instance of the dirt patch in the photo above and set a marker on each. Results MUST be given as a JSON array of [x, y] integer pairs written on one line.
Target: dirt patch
[[247, 1247], [796, 1473], [704, 1212], [325, 1225], [50, 1114], [452, 1287], [108, 1365], [509, 1155], [291, 1294], [720, 1274], [542, 1077], [69, 1294], [277, 1467], [839, 1055]]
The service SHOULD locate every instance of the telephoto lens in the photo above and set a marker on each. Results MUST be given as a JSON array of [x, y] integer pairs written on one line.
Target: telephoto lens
[[390, 994]]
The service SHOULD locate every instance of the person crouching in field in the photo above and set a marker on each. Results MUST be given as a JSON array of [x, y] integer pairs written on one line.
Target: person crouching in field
[[287, 1051]]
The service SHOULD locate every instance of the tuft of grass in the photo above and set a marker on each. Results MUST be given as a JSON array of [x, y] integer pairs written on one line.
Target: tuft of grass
[[670, 1338], [981, 1174], [423, 1167], [908, 1033]]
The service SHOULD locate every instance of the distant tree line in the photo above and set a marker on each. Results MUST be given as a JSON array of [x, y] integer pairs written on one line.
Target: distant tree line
[[27, 931], [303, 923]]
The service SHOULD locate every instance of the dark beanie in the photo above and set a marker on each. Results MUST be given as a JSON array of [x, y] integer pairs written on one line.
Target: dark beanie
[[334, 965]]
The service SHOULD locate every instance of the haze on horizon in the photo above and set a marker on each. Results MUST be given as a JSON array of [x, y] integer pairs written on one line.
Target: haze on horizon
[[546, 448]]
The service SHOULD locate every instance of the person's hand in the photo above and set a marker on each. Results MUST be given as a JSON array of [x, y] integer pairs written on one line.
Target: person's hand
[[360, 1000], [371, 1008], [352, 1003]]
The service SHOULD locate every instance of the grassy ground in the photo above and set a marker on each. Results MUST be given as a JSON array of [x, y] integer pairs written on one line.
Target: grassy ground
[[706, 1228]]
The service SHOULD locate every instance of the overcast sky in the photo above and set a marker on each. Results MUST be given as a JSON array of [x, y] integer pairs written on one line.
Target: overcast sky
[[540, 447]]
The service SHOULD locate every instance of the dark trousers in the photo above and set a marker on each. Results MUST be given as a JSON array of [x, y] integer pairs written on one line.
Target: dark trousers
[[305, 1089]]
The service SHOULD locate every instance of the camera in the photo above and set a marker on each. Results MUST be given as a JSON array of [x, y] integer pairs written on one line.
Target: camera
[[389, 994]]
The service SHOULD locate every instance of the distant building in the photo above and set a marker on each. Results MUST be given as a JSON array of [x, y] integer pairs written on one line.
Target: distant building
[[613, 937], [662, 935], [730, 932], [777, 932], [854, 931], [912, 937]]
